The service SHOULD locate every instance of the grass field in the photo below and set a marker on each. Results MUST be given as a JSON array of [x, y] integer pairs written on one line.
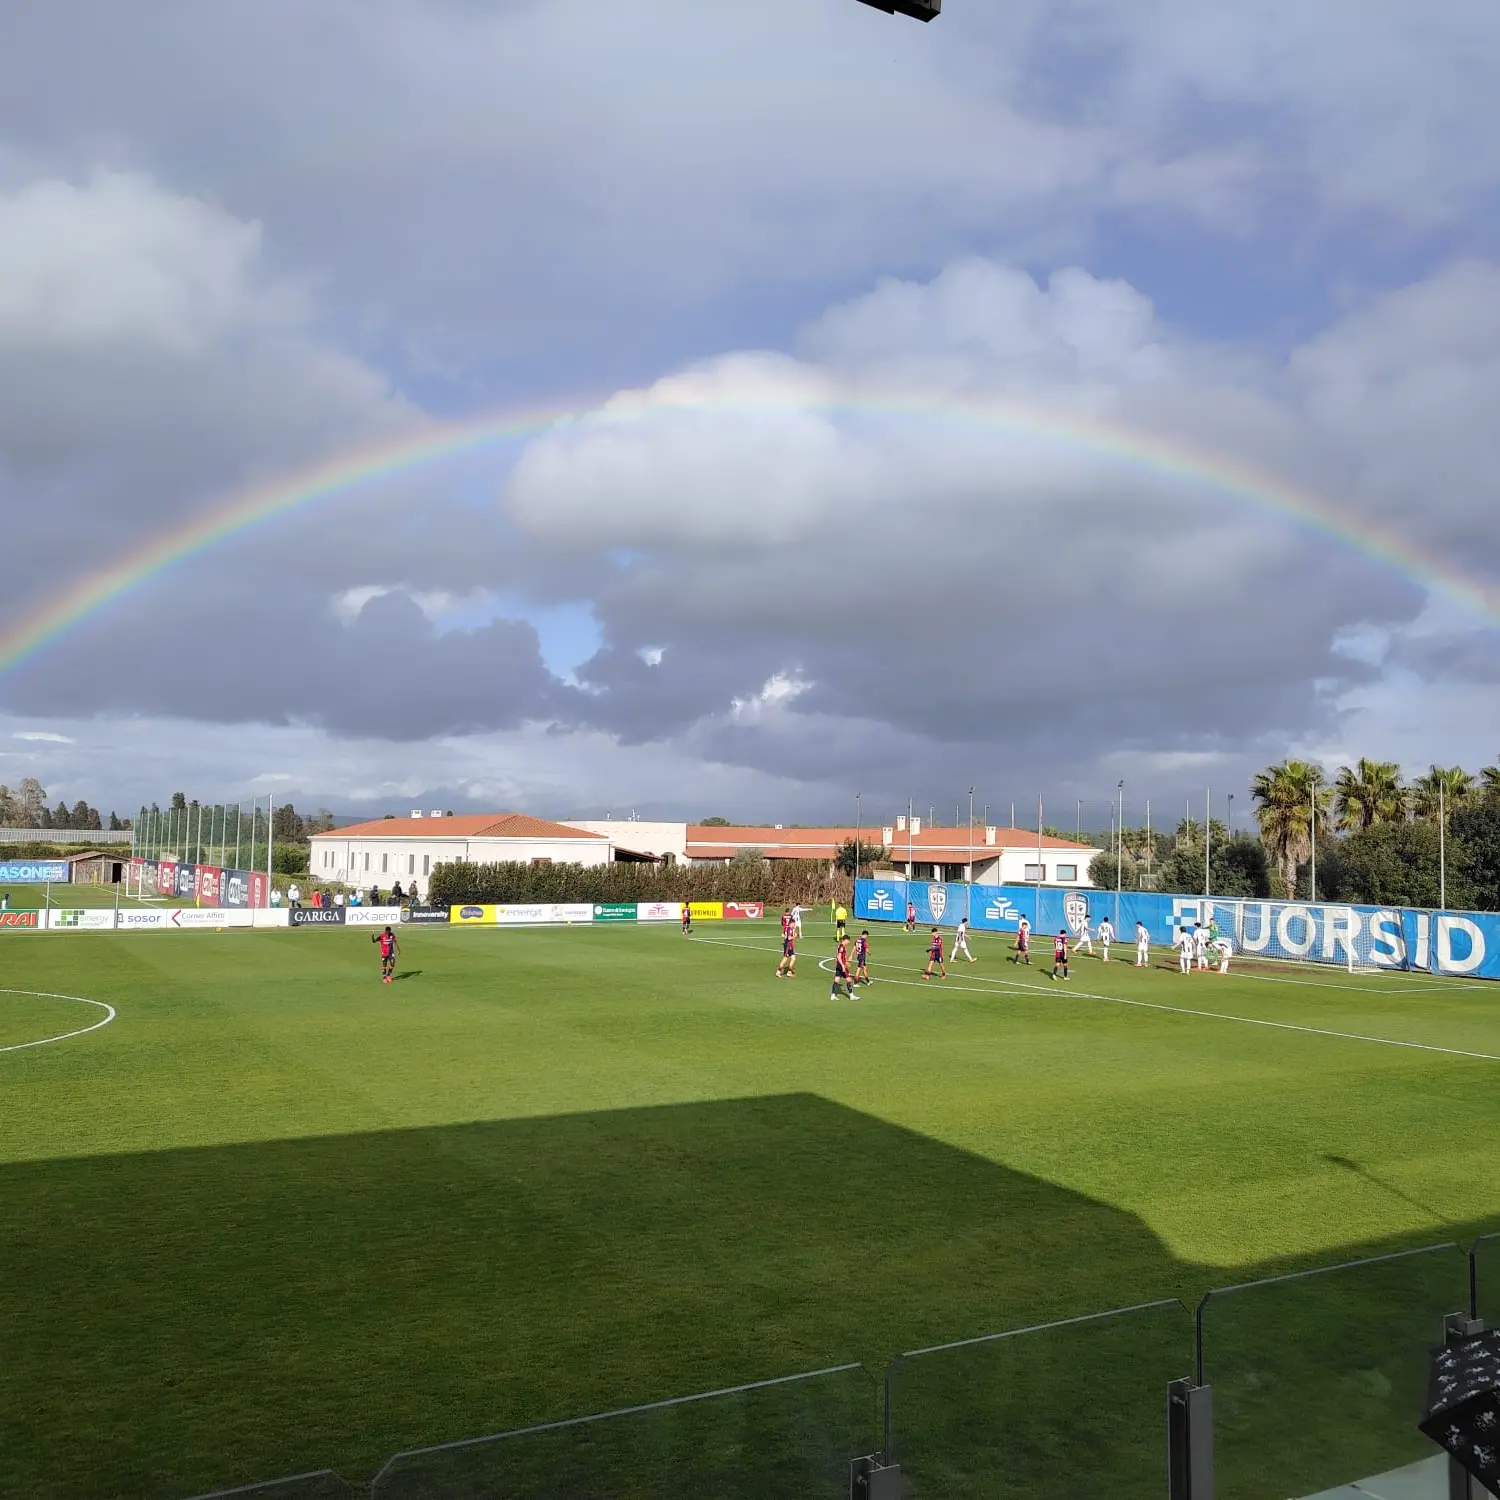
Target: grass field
[[276, 1216]]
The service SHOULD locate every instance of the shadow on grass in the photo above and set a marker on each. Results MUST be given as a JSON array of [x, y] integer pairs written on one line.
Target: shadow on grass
[[197, 1317]]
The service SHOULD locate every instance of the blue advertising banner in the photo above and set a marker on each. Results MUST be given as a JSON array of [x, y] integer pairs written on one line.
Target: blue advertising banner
[[1459, 943], [32, 871], [186, 881], [236, 889]]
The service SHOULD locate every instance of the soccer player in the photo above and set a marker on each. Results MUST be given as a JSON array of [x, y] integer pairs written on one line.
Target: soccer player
[[911, 916], [1142, 945], [862, 958], [687, 918], [1200, 945], [1223, 949], [1106, 937], [797, 919], [935, 956], [787, 968], [1084, 939], [1060, 953], [841, 970], [1023, 943], [1184, 945], [961, 941], [390, 951]]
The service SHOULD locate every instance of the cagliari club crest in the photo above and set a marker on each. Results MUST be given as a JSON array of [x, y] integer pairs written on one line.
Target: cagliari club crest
[[937, 901], [1076, 911]]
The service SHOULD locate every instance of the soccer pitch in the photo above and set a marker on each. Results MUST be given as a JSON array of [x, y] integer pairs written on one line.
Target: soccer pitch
[[275, 1215]]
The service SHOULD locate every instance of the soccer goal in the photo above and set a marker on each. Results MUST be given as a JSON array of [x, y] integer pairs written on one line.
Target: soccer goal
[[1328, 935]]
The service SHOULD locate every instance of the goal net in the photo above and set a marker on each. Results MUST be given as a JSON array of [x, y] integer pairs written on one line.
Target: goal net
[[1358, 941]]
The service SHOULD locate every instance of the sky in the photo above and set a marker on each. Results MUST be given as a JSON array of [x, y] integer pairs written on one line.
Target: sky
[[827, 297]]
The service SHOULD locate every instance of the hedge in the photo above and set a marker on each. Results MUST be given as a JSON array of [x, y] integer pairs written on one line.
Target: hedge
[[783, 882]]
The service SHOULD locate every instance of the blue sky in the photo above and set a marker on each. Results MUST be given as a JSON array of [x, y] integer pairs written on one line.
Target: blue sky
[[1267, 231]]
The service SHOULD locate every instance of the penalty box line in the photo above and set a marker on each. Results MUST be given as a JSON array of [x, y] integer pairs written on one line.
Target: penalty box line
[[1178, 1010]]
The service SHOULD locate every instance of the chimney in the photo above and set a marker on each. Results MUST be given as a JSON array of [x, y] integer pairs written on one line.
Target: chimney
[[989, 833], [901, 824], [435, 813], [887, 836], [916, 827], [416, 812]]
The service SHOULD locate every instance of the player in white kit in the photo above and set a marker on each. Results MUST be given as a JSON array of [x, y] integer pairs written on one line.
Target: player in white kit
[[961, 941], [1142, 945], [796, 921], [1106, 937], [1225, 952], [1183, 943], [1200, 945], [1083, 938]]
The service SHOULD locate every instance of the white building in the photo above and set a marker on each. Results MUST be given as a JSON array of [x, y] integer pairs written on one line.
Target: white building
[[406, 849], [996, 856]]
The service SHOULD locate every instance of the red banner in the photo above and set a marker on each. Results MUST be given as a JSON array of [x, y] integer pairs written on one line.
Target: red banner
[[260, 890], [742, 910], [208, 881], [18, 919], [166, 877]]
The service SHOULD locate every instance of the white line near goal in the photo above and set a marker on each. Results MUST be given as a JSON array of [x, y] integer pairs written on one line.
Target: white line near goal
[[109, 1015], [1180, 1010]]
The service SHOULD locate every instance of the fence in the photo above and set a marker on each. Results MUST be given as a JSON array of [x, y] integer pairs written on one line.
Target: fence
[[1316, 1380], [1393, 938], [78, 838]]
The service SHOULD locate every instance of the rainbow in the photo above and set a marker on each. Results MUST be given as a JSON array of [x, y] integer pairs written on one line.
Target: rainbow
[[264, 503]]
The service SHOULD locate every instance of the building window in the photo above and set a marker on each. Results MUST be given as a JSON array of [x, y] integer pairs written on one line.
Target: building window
[[367, 859], [426, 864], [1035, 873], [1067, 872], [411, 864], [385, 860]]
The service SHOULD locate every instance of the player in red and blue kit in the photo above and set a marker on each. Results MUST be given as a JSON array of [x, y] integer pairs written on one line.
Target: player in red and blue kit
[[1060, 953], [390, 950], [862, 958], [787, 968], [841, 970], [935, 956]]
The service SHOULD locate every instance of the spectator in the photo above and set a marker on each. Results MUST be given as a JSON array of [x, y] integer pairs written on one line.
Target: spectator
[[275, 896], [294, 895], [397, 895], [338, 898], [317, 900]]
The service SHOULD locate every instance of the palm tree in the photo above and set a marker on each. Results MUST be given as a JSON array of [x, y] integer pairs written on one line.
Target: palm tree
[[1368, 794], [1285, 796], [1444, 786], [1489, 780]]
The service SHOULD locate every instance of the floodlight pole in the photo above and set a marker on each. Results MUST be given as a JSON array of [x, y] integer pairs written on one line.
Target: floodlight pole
[[1312, 874], [1041, 869], [969, 891], [1119, 854], [1208, 808], [1442, 849], [856, 850]]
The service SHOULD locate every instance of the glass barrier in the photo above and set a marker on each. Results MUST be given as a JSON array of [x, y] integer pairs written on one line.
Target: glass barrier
[[1487, 1278], [791, 1437], [1319, 1379], [1068, 1409]]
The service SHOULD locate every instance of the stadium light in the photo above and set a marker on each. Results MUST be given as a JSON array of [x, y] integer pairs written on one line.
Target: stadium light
[[918, 10]]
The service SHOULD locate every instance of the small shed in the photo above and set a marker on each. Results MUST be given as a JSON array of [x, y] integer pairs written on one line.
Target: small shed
[[96, 868]]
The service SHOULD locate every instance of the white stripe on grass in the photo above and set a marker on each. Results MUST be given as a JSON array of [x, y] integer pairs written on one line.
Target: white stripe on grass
[[1180, 1010], [62, 1036]]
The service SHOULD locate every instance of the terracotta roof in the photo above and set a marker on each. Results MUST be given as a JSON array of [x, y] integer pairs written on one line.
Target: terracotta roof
[[713, 842], [464, 826]]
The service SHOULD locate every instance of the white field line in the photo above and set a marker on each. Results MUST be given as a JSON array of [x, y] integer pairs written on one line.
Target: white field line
[[1180, 1010], [63, 1036]]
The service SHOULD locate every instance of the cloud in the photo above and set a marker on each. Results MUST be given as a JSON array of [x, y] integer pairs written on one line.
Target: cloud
[[43, 736]]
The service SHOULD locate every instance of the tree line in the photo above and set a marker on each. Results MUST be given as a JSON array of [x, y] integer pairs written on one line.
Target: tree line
[[1373, 838], [26, 807]]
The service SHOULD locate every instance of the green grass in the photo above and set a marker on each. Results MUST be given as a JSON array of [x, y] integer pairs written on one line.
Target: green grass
[[67, 896], [278, 1216]]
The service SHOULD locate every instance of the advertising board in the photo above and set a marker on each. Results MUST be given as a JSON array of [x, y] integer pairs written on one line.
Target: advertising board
[[270, 916], [166, 877], [207, 885], [707, 911], [573, 912], [658, 911], [370, 916], [471, 916], [315, 916], [95, 920], [187, 882], [235, 888], [524, 916], [199, 918], [751, 911], [19, 921], [615, 911], [131, 920], [33, 871], [427, 914]]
